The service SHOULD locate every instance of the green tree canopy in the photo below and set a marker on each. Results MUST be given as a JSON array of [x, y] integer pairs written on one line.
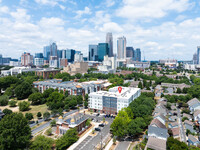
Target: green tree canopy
[[4, 100], [24, 106], [35, 98], [15, 132], [42, 143], [70, 137], [23, 90]]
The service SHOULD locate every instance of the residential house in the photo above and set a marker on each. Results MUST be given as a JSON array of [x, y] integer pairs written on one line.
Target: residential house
[[189, 125], [157, 123], [175, 132], [160, 117], [173, 118], [194, 104], [155, 143], [160, 133], [160, 110], [173, 124], [196, 116], [172, 113], [192, 140], [188, 116]]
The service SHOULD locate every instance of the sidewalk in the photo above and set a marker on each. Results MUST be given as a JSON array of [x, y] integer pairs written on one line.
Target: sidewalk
[[108, 146], [82, 138]]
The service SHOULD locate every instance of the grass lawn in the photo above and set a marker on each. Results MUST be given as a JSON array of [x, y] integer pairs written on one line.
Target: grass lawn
[[34, 109]]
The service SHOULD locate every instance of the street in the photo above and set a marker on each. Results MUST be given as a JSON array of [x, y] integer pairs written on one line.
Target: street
[[40, 128], [182, 131], [90, 142]]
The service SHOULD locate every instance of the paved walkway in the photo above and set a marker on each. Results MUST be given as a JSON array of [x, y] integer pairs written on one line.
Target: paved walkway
[[108, 146], [123, 145]]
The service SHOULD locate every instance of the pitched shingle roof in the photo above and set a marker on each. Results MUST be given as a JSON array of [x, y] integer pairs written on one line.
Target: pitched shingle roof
[[159, 132], [157, 123], [192, 138], [175, 131], [196, 113], [159, 114], [157, 144], [193, 101], [188, 122]]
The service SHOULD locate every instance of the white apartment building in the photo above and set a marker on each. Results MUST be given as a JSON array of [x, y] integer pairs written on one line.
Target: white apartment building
[[111, 102]]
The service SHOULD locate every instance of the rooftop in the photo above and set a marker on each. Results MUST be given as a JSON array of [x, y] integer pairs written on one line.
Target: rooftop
[[155, 143], [157, 123], [126, 92]]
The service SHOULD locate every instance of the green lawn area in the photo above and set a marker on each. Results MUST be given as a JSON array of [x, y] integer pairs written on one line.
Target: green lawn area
[[34, 109]]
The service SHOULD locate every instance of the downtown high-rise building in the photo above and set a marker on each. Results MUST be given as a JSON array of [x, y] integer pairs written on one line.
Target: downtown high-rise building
[[198, 54], [26, 59], [53, 49], [102, 51], [121, 48], [46, 52], [109, 40], [93, 56], [195, 58], [130, 52], [137, 54], [38, 59]]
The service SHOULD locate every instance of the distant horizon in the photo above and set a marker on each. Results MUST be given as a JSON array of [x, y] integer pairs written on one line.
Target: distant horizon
[[167, 29]]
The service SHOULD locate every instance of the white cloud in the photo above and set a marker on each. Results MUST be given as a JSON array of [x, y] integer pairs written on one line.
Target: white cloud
[[140, 9], [111, 27], [4, 9], [20, 15], [86, 11], [100, 18], [110, 3], [47, 2]]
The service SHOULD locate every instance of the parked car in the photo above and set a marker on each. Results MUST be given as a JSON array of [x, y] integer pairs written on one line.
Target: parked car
[[97, 114], [101, 125], [97, 129]]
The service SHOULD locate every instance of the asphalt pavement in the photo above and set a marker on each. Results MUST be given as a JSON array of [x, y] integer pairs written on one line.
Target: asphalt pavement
[[122, 145], [182, 131], [90, 142], [42, 127]]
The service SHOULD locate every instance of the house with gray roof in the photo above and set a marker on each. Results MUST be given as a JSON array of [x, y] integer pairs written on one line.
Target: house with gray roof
[[173, 118], [189, 125], [194, 104], [160, 133], [196, 116], [192, 140], [159, 110]]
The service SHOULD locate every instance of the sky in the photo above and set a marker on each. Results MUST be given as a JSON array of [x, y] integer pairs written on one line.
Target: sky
[[161, 29]]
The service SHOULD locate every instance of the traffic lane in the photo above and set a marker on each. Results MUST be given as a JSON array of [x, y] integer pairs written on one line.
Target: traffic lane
[[97, 139]]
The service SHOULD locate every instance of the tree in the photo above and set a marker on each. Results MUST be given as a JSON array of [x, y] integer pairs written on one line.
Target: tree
[[15, 132], [53, 123], [178, 90], [4, 100], [9, 92], [120, 123], [55, 100], [7, 111], [24, 106], [23, 90], [79, 99], [46, 115], [60, 111], [47, 93], [42, 143], [29, 116], [184, 118], [39, 114], [12, 103], [86, 101], [136, 126], [35, 98], [78, 75], [69, 138], [140, 85], [174, 144]]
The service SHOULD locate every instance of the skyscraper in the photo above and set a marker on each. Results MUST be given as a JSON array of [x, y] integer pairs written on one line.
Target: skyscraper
[[26, 59], [46, 52], [102, 51], [121, 48], [137, 54], [198, 54], [93, 56], [109, 40], [129, 52], [39, 59], [53, 49], [195, 58]]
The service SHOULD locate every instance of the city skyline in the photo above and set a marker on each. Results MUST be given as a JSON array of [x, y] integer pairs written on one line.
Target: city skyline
[[161, 30]]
